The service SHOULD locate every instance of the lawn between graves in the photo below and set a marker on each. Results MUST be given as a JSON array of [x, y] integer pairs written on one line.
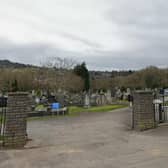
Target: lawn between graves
[[75, 110]]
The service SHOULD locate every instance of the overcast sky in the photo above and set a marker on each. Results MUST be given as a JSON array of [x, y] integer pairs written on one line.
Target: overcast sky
[[106, 34]]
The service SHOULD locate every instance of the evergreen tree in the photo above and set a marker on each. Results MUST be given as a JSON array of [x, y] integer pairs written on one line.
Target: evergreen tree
[[82, 71], [14, 86]]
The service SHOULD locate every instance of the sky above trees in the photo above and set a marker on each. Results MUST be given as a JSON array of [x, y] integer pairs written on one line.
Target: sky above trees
[[106, 34]]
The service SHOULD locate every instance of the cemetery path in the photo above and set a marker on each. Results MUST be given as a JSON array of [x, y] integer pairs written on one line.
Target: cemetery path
[[97, 140]]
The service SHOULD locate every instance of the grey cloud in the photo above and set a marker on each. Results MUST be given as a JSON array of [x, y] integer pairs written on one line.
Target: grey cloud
[[142, 20], [82, 40], [140, 13], [142, 24], [35, 53], [31, 53]]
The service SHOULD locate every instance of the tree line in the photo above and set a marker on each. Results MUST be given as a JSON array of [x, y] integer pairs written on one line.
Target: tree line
[[61, 73], [150, 77], [54, 73]]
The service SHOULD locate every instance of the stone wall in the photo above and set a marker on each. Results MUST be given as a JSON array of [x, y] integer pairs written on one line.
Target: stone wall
[[143, 111], [15, 133]]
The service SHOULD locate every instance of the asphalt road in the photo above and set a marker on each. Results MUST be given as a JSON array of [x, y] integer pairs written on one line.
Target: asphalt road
[[98, 140]]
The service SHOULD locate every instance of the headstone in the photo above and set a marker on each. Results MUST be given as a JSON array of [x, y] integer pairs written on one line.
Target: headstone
[[33, 93], [37, 100], [93, 99], [108, 97], [60, 99], [86, 101], [165, 95], [118, 94], [101, 99], [44, 100]]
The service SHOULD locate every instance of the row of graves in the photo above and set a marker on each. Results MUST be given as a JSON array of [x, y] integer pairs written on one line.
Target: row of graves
[[48, 104], [58, 103], [45, 104]]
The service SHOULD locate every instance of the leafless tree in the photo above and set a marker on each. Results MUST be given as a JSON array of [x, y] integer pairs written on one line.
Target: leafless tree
[[59, 63], [63, 75]]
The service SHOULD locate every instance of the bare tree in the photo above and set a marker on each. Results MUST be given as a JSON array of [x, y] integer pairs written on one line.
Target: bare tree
[[62, 68], [59, 63]]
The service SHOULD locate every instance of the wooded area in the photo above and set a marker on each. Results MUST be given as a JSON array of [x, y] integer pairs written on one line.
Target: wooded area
[[66, 75]]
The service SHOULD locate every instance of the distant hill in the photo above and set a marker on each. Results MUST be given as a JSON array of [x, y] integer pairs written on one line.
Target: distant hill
[[108, 74], [94, 74], [10, 64]]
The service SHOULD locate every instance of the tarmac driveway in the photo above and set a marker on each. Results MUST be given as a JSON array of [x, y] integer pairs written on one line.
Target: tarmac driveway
[[97, 140]]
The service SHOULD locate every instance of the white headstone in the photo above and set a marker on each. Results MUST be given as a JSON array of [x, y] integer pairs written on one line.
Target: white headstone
[[87, 101]]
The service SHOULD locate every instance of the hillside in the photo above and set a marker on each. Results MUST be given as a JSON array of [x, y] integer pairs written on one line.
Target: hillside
[[94, 74], [9, 64], [109, 75]]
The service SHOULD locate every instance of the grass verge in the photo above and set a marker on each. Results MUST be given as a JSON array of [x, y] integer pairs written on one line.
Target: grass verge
[[73, 110]]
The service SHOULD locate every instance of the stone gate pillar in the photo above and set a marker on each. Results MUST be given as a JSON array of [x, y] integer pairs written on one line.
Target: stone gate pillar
[[143, 111], [15, 133]]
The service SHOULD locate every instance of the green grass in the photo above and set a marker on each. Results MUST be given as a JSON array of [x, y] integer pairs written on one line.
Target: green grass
[[41, 108], [76, 110]]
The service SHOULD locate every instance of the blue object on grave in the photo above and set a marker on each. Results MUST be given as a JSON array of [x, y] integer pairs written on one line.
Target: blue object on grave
[[55, 106]]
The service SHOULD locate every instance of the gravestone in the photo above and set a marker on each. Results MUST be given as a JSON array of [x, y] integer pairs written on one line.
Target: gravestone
[[108, 97], [87, 101], [37, 100], [118, 94], [101, 100], [33, 93], [93, 99], [60, 98], [128, 91]]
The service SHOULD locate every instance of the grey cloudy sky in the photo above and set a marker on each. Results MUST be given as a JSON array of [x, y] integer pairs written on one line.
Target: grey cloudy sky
[[107, 34]]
